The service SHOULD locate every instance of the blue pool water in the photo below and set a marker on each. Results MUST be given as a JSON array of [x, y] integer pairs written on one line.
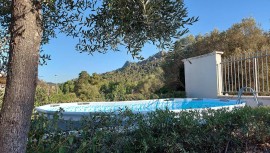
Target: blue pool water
[[139, 106]]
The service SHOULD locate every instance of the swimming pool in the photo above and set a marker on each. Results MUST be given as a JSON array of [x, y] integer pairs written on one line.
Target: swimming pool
[[74, 111]]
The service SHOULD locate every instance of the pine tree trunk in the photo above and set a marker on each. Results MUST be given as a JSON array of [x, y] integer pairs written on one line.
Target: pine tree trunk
[[19, 96]]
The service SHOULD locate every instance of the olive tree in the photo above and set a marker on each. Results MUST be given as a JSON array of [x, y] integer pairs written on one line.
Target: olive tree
[[100, 26]]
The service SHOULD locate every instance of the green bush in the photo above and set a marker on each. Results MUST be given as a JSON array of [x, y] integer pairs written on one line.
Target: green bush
[[55, 98], [173, 94], [239, 130]]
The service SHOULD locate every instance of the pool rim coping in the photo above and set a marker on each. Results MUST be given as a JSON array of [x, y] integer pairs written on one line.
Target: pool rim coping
[[40, 110]]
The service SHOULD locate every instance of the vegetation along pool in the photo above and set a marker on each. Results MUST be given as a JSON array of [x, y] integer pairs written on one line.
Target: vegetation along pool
[[74, 111]]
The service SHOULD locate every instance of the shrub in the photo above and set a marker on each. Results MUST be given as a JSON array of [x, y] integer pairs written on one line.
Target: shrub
[[175, 94], [240, 130], [55, 98]]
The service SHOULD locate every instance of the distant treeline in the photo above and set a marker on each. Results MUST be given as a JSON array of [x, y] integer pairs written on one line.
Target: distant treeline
[[134, 81]]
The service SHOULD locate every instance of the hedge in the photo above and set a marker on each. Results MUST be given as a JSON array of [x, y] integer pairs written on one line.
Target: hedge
[[240, 130]]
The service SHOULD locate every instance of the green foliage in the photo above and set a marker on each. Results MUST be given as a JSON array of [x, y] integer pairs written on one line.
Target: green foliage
[[133, 23], [51, 93], [41, 96], [104, 25], [246, 36], [239, 130], [68, 87], [134, 81], [87, 87], [114, 91], [61, 98], [172, 94]]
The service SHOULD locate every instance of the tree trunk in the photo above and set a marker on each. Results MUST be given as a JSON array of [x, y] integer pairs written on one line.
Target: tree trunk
[[22, 74]]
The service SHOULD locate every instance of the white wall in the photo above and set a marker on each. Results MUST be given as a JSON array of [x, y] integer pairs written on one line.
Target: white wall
[[201, 75]]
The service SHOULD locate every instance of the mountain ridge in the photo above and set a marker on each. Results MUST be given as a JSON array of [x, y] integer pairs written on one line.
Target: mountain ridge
[[155, 60]]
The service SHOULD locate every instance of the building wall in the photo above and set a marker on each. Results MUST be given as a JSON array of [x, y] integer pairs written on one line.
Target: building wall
[[201, 75]]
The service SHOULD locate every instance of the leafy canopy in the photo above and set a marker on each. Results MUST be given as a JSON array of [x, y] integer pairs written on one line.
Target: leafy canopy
[[106, 25]]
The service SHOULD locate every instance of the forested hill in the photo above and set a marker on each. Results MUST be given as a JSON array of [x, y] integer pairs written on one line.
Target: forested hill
[[133, 81], [136, 71]]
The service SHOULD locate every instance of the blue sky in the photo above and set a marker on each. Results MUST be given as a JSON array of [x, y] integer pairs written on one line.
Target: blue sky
[[67, 63]]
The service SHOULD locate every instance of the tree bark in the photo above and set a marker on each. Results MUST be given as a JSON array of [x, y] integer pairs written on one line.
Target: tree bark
[[26, 33]]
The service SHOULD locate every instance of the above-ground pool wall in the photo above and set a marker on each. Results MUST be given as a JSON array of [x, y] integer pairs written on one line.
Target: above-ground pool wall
[[201, 75]]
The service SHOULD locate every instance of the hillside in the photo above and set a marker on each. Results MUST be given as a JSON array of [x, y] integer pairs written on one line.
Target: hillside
[[132, 71], [133, 81]]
